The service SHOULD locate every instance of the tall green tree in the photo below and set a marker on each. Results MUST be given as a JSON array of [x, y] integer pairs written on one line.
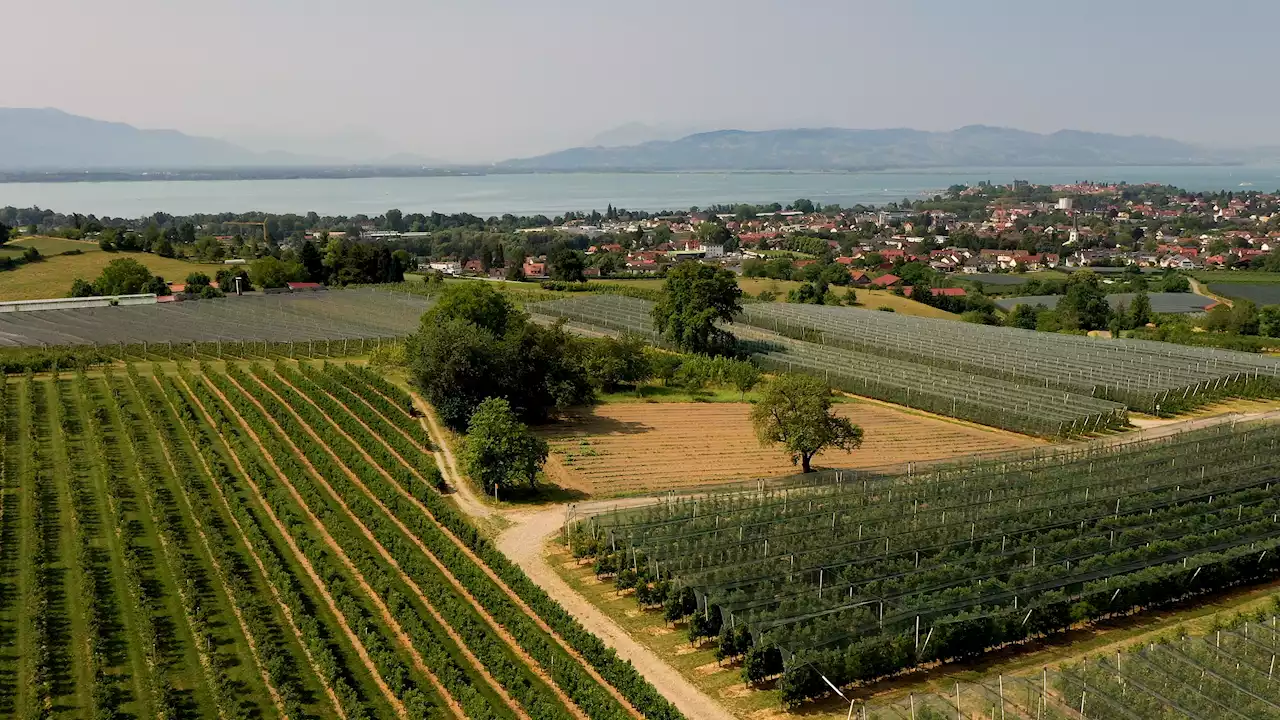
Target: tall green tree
[[795, 411], [566, 265], [5, 233], [694, 298], [499, 451], [1269, 321], [395, 220], [1140, 311], [312, 262], [476, 303], [1023, 316], [163, 247], [473, 345], [81, 288], [615, 362], [123, 276], [713, 232], [1085, 306], [271, 272], [1244, 318]]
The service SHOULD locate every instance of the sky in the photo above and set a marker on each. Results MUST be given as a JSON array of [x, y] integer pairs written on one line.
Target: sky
[[484, 80]]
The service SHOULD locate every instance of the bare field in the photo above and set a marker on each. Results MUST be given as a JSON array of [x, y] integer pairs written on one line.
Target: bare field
[[643, 447]]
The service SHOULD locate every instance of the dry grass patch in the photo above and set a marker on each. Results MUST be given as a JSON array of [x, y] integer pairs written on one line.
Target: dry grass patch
[[636, 448]]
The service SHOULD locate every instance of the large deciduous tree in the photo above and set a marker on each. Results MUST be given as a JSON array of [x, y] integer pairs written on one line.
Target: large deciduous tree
[[123, 276], [473, 344], [712, 232], [795, 410], [567, 265], [499, 450], [270, 272], [477, 303], [1085, 305], [695, 296]]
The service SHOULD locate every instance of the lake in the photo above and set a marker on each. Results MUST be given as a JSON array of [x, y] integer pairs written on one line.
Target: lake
[[553, 194]]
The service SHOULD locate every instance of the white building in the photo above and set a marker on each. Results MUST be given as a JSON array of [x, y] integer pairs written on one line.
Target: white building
[[448, 268]]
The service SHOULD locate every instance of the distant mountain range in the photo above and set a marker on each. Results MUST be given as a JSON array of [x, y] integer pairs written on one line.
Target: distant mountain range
[[45, 139], [842, 149], [36, 142]]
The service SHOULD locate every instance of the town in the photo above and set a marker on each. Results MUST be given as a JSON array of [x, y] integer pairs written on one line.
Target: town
[[970, 230]]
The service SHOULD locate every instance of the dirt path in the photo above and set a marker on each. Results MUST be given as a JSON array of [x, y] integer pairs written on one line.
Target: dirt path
[[262, 568], [1200, 289], [464, 494], [302, 559], [523, 543]]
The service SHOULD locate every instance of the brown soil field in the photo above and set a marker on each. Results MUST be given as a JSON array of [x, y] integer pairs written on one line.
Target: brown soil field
[[633, 448]]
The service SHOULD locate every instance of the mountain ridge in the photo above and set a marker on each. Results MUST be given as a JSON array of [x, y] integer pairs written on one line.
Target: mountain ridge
[[831, 148], [52, 139]]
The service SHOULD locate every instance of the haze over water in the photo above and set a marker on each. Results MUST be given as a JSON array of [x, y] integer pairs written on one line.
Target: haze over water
[[553, 194]]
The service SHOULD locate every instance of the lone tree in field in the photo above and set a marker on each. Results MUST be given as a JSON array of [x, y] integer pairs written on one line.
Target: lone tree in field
[[795, 410], [694, 297], [500, 451]]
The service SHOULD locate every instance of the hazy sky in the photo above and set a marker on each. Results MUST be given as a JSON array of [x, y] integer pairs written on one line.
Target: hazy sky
[[470, 80]]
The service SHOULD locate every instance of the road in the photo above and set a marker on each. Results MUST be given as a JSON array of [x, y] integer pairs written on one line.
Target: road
[[524, 542]]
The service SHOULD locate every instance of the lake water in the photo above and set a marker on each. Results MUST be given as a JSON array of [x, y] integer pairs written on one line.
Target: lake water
[[553, 194]]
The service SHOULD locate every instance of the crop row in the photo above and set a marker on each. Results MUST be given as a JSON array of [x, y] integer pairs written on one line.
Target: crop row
[[467, 628], [1227, 674], [318, 640], [1152, 377], [1024, 407], [244, 594], [200, 598], [291, 494], [269, 543], [332, 315], [389, 489], [91, 569], [856, 580], [474, 560]]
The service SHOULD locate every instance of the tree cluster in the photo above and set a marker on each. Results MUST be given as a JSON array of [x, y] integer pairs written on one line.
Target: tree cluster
[[122, 276], [474, 344], [695, 297]]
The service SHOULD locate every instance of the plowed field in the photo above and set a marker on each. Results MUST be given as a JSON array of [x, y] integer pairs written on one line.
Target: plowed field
[[631, 448]]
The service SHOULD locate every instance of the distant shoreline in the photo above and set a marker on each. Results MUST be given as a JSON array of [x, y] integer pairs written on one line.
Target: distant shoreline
[[357, 172]]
